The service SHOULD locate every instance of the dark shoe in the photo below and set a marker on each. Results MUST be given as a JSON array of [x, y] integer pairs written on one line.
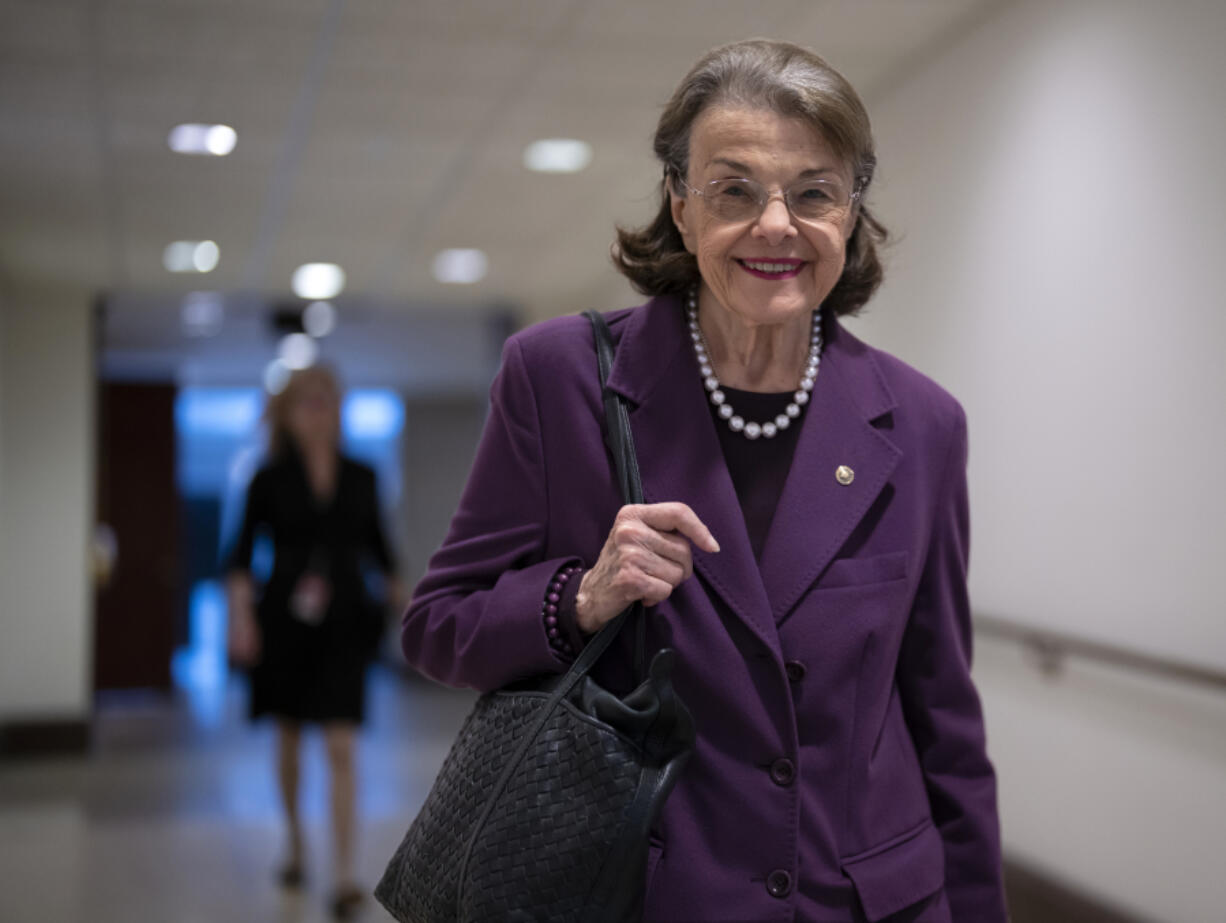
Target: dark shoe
[[291, 875], [346, 903]]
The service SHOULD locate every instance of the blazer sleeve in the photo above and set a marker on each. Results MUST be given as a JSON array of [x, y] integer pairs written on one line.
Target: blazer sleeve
[[943, 710], [475, 618], [256, 513]]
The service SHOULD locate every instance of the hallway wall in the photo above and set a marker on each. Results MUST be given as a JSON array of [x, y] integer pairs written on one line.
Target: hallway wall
[[1053, 178], [441, 435], [46, 505]]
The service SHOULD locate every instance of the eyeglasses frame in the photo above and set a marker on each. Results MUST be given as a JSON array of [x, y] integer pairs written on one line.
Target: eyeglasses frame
[[856, 193]]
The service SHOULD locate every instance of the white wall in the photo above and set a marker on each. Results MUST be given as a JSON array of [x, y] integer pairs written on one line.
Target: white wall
[[1055, 180], [46, 505], [1111, 782], [440, 439], [6, 305]]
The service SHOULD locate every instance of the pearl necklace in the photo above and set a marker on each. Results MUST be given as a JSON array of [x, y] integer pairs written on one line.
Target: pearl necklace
[[737, 423]]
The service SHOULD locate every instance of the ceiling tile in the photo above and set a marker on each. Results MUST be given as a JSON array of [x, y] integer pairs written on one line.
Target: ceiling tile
[[375, 144]]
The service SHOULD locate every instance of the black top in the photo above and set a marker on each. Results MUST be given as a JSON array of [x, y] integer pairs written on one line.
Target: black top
[[759, 467]]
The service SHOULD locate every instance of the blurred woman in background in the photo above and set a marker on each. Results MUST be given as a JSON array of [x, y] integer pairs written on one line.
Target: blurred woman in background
[[308, 634]]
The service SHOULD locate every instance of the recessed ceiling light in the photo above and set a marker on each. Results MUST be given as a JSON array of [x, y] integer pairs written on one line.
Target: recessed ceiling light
[[318, 281], [319, 318], [557, 155], [460, 266], [191, 256], [202, 314], [297, 351], [194, 138]]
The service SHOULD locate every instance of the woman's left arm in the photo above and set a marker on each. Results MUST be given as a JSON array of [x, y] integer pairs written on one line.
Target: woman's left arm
[[380, 549], [942, 707]]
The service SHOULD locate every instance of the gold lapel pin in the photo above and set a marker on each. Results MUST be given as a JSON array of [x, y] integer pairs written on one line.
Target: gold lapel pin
[[844, 475]]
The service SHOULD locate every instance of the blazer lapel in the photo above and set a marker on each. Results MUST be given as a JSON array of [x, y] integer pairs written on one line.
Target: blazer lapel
[[817, 513], [679, 453]]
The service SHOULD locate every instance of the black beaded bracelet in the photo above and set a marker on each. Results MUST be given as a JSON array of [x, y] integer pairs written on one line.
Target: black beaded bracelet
[[549, 609]]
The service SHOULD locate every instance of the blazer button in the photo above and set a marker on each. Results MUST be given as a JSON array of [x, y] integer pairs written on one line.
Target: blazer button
[[795, 670], [779, 883], [783, 771]]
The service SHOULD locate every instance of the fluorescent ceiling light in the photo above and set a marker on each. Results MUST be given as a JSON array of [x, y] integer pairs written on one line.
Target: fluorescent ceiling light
[[202, 313], [191, 256], [318, 281], [194, 138], [557, 155], [319, 318], [297, 351], [461, 266]]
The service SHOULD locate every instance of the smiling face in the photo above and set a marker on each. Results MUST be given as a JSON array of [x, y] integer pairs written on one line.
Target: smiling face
[[772, 269]]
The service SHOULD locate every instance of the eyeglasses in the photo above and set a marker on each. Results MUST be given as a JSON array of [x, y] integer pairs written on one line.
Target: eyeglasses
[[737, 199]]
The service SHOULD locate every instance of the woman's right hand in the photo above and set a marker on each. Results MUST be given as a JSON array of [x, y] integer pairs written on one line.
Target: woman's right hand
[[243, 641], [243, 638], [646, 555]]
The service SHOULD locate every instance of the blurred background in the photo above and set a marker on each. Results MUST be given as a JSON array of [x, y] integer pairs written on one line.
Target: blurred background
[[197, 196]]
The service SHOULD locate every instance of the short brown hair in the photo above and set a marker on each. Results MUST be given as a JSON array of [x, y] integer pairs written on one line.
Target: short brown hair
[[795, 83]]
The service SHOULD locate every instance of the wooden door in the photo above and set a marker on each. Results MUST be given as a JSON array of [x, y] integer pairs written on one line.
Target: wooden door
[[136, 610]]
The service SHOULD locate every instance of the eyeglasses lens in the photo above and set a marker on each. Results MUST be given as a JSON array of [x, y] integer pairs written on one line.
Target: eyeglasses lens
[[744, 199]]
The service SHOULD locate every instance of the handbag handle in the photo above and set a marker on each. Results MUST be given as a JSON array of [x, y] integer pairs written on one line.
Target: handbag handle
[[620, 441], [617, 436]]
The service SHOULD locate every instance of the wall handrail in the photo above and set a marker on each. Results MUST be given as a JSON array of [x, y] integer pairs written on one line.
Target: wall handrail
[[1053, 647]]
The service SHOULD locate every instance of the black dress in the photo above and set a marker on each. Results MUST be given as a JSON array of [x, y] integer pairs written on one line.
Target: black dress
[[313, 658]]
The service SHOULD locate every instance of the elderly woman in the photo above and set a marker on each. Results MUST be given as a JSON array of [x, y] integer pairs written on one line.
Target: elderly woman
[[804, 539], [312, 633]]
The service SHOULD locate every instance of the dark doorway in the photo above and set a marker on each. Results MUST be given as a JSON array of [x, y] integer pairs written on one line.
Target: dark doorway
[[136, 612]]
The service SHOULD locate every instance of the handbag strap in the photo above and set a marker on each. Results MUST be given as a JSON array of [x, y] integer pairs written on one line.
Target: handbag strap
[[617, 431], [620, 441]]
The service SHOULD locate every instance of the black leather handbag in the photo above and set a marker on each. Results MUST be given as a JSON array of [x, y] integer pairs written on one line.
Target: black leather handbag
[[542, 808]]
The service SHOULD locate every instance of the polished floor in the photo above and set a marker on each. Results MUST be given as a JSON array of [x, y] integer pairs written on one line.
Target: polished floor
[[173, 817]]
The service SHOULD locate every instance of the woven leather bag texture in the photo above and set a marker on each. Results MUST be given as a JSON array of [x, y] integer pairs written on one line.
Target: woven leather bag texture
[[422, 878], [542, 808], [566, 839]]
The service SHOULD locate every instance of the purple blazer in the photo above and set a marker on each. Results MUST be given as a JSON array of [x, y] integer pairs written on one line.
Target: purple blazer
[[840, 772]]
